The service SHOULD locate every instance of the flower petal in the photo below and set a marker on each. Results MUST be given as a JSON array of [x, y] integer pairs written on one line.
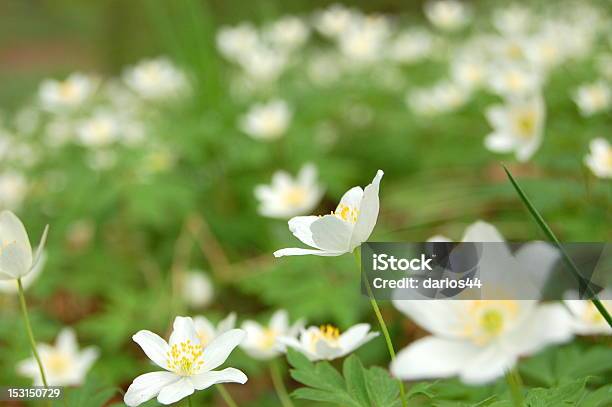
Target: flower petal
[[41, 246], [351, 198], [66, 341], [12, 230], [297, 251], [441, 318], [227, 323], [499, 142], [87, 358], [219, 349], [15, 261], [176, 391], [491, 363], [300, 227], [147, 386], [480, 231], [207, 379], [368, 212], [432, 357], [183, 330], [153, 346], [353, 336], [280, 321], [332, 234]]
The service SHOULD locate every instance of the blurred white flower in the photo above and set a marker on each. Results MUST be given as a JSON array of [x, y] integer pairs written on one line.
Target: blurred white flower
[[288, 33], [343, 230], [545, 50], [411, 46], [448, 15], [324, 68], [263, 64], [477, 340], [442, 97], [604, 65], [187, 362], [101, 160], [513, 80], [599, 160], [361, 42], [593, 98], [267, 121], [156, 79], [197, 289], [234, 42], [518, 127], [16, 257], [206, 331], [262, 342], [10, 286], [64, 364], [587, 320], [513, 19], [99, 130], [334, 20], [286, 197], [469, 71], [326, 342], [13, 189], [58, 132], [67, 94]]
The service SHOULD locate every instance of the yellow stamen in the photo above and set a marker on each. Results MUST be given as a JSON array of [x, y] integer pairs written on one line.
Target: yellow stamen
[[185, 358]]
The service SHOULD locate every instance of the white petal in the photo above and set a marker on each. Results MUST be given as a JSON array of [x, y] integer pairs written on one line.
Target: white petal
[[368, 212], [439, 238], [153, 346], [41, 246], [497, 117], [538, 260], [87, 358], [491, 363], [220, 348], [296, 251], [229, 375], [432, 357], [183, 330], [442, 318], [300, 227], [66, 341], [280, 321], [353, 336], [326, 351], [15, 261], [147, 386], [482, 232], [499, 142], [599, 146], [298, 346], [229, 322], [176, 391], [307, 174], [12, 230], [351, 198], [331, 233]]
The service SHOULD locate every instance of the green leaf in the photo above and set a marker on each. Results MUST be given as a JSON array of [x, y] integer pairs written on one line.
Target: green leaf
[[382, 388], [599, 398], [355, 381], [566, 395]]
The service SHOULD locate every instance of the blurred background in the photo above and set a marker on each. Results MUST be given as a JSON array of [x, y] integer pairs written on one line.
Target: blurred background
[[146, 164]]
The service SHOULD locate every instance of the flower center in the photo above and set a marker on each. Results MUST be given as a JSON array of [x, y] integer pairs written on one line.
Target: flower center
[[346, 213], [487, 320], [294, 196], [525, 124], [185, 358], [268, 338], [67, 90], [57, 363], [492, 322]]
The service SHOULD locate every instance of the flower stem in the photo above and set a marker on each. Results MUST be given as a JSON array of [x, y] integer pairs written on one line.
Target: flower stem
[[226, 396], [189, 401], [515, 383], [383, 326], [26, 320], [279, 384]]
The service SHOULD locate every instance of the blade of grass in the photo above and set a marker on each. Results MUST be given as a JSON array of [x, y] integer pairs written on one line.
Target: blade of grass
[[584, 283]]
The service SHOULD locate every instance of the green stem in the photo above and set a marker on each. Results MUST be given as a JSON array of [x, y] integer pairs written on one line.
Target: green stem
[[226, 396], [279, 384], [189, 401], [26, 319], [515, 383], [383, 325], [583, 282]]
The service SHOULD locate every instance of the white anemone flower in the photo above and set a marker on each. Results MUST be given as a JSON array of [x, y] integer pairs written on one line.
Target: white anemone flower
[[13, 189], [477, 340], [99, 130], [197, 289], [411, 46], [286, 197], [599, 160], [188, 364], [517, 127], [514, 81], [206, 331], [364, 39], [64, 363], [443, 97], [343, 230], [587, 320], [327, 343], [16, 258], [68, 94], [267, 121], [288, 33], [156, 79], [469, 71], [448, 15], [234, 42], [514, 19], [334, 20], [262, 341], [593, 98]]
